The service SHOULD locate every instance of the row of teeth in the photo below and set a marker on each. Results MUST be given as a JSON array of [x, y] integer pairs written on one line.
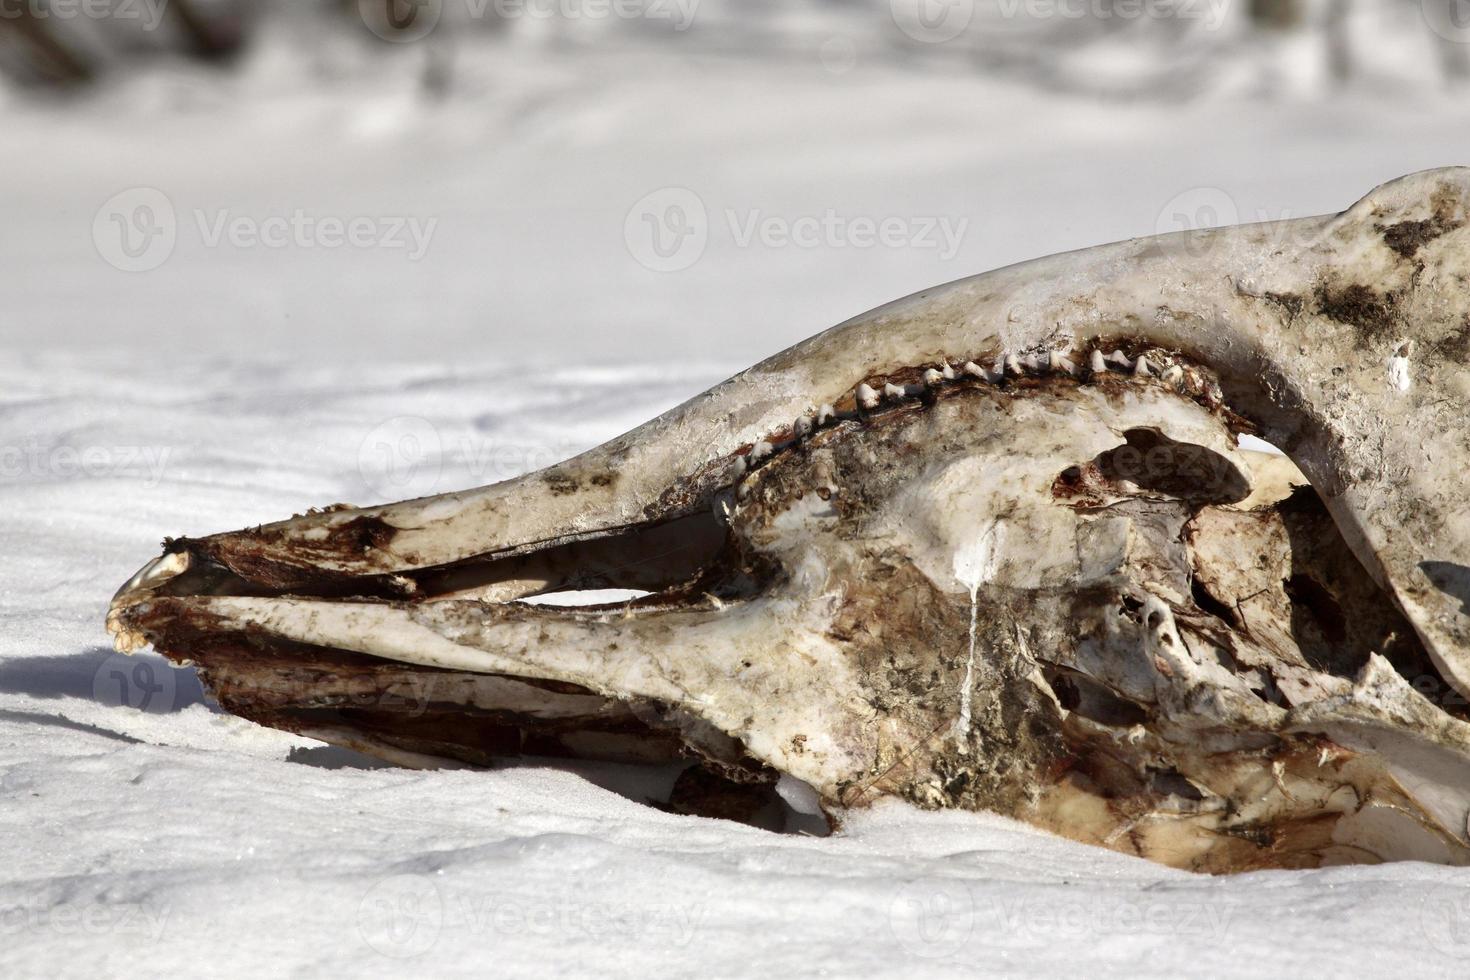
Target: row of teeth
[[869, 398]]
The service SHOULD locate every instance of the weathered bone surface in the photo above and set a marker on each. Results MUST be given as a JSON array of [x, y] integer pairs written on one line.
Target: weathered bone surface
[[991, 546]]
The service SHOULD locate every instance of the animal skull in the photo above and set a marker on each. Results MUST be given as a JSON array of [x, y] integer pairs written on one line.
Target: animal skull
[[991, 546]]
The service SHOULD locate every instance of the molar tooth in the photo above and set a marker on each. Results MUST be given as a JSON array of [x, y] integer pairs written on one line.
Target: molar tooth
[[948, 372], [826, 414], [1031, 363], [1120, 359], [740, 466], [867, 398], [975, 371], [760, 451], [1061, 364], [891, 390], [802, 427], [1097, 363], [1013, 365], [932, 378], [1173, 375], [1140, 370]]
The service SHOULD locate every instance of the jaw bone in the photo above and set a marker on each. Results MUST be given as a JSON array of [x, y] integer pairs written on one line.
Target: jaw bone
[[990, 546]]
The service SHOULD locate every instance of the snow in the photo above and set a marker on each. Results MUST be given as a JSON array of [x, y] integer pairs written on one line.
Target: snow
[[146, 834]]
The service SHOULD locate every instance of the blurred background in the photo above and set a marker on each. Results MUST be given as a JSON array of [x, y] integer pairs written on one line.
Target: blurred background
[[598, 181]]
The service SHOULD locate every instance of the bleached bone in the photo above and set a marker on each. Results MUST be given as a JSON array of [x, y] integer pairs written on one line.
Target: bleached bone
[[1071, 600]]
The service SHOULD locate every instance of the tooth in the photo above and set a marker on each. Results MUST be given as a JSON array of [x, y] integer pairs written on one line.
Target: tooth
[[1121, 359], [1061, 364], [1030, 363], [741, 465], [867, 398], [948, 372], [975, 371], [802, 427], [1173, 374], [891, 390], [1013, 365], [1097, 363], [760, 451], [1140, 370], [932, 378], [826, 414]]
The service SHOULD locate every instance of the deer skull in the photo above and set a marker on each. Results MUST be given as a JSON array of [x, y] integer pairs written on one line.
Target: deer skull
[[991, 546]]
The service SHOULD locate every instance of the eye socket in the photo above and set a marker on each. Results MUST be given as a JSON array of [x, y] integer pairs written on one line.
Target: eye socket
[[1152, 461]]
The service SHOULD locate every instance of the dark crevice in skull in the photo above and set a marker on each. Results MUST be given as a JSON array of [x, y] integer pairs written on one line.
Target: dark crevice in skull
[[645, 558], [1152, 461], [1325, 613], [1209, 604], [1084, 695], [1450, 578]]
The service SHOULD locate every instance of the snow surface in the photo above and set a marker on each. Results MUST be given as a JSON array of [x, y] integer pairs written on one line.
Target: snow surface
[[146, 834]]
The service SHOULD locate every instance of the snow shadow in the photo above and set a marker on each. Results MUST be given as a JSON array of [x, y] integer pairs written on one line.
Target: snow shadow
[[139, 682]]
